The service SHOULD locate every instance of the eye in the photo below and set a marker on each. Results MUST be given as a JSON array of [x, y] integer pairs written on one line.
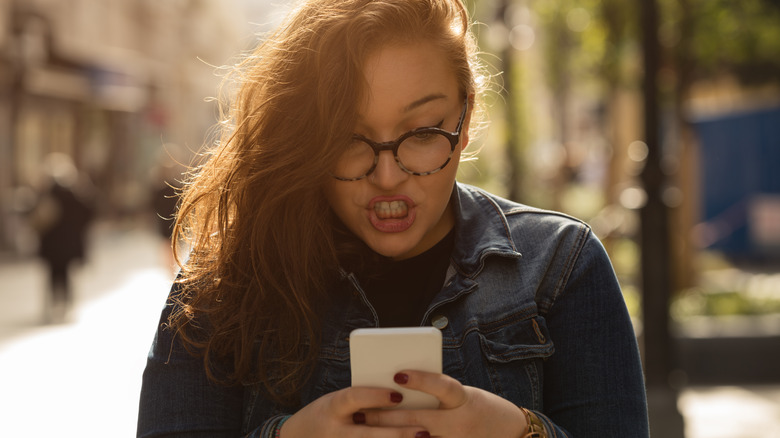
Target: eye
[[355, 146], [425, 136]]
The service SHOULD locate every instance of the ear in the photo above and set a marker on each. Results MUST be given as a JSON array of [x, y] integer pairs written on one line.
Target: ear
[[464, 132]]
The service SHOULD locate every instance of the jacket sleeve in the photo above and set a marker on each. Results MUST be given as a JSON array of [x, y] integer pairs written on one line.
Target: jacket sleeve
[[178, 399], [594, 381]]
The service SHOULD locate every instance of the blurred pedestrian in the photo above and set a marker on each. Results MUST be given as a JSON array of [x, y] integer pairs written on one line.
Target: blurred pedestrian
[[61, 219], [330, 203]]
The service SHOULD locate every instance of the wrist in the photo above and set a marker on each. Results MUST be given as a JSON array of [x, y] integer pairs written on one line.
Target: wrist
[[278, 426], [534, 426]]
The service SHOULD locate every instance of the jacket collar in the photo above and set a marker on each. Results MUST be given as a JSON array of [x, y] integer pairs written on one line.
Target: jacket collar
[[481, 229]]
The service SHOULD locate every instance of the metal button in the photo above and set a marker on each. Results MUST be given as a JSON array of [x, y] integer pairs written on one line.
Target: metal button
[[440, 321]]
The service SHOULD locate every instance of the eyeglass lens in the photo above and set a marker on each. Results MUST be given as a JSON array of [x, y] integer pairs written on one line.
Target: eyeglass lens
[[420, 153]]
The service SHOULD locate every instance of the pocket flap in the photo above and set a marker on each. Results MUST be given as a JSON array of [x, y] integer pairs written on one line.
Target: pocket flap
[[524, 339]]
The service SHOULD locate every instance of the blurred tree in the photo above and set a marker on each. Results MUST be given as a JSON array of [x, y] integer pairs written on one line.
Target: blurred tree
[[560, 44], [499, 41], [587, 46], [512, 83], [741, 37], [708, 40], [619, 27], [590, 53]]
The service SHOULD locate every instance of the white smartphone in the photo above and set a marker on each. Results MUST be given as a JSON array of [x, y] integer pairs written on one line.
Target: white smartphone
[[377, 354]]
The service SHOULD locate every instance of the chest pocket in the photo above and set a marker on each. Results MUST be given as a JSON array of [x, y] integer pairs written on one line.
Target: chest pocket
[[514, 352]]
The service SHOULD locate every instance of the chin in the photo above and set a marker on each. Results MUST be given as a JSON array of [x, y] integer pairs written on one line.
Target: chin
[[391, 249], [398, 253], [392, 253]]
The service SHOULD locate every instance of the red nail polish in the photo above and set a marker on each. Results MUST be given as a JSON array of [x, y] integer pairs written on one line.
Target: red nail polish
[[422, 434], [396, 397], [401, 378], [359, 418]]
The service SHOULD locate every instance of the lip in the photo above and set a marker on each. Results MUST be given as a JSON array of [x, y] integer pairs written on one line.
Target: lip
[[391, 225]]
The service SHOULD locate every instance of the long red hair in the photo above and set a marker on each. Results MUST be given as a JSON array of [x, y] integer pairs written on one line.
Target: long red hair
[[260, 240]]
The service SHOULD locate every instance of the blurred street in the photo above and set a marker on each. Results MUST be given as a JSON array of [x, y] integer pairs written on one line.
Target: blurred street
[[81, 378]]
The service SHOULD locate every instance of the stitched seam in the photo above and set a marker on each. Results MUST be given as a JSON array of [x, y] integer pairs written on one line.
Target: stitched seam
[[568, 267], [532, 352], [508, 320], [492, 376], [501, 214], [491, 326]]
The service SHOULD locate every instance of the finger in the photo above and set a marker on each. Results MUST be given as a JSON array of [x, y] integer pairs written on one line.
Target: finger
[[388, 432], [424, 418], [347, 401], [449, 391]]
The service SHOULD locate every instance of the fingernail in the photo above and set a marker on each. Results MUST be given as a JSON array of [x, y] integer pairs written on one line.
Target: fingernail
[[401, 378], [359, 418], [396, 397], [422, 434]]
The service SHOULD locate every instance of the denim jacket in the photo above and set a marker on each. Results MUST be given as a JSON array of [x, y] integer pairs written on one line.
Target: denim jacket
[[530, 310]]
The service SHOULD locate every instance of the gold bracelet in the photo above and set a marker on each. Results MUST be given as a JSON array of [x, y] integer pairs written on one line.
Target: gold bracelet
[[535, 426]]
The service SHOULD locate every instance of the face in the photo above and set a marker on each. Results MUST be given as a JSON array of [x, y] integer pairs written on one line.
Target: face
[[395, 213]]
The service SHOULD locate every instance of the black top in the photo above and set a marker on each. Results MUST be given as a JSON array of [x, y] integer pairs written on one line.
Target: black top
[[401, 291]]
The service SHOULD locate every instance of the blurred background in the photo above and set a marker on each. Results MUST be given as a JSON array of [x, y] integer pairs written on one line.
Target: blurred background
[[657, 121]]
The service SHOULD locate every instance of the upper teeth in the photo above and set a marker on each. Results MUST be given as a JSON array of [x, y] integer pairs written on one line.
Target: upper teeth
[[393, 209]]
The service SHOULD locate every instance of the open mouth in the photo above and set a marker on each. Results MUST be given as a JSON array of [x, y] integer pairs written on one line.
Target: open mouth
[[392, 214], [391, 209]]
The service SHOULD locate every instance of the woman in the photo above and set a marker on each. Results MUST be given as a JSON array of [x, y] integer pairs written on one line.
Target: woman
[[329, 204]]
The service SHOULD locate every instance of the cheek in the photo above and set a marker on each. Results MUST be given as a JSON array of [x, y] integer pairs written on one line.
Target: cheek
[[446, 178]]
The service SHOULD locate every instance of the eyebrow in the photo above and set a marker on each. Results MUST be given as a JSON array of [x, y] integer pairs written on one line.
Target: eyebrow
[[420, 102]]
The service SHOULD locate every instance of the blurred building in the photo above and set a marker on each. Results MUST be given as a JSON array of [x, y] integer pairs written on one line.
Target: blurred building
[[740, 183], [108, 82]]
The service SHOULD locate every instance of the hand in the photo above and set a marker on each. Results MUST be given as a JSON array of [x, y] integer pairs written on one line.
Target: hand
[[464, 411], [338, 415]]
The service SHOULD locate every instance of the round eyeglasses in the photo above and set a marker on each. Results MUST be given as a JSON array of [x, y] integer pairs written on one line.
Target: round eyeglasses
[[421, 151]]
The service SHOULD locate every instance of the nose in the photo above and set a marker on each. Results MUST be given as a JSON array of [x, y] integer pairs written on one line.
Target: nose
[[387, 173]]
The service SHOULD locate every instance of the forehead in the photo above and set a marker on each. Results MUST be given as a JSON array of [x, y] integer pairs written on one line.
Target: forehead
[[401, 75]]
